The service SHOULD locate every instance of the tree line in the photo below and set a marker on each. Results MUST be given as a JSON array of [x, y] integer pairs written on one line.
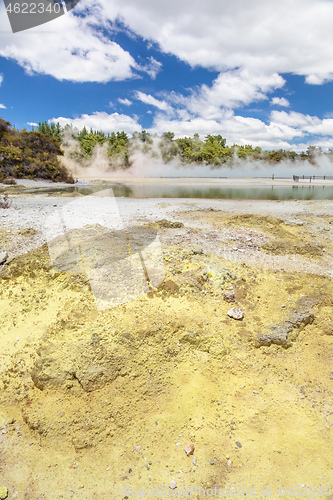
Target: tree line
[[36, 154], [212, 150]]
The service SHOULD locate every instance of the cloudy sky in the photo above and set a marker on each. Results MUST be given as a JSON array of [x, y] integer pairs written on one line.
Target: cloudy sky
[[258, 72]]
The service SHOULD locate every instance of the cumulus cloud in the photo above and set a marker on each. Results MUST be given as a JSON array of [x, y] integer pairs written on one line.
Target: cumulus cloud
[[284, 130], [125, 102], [101, 121], [294, 119], [32, 124], [231, 89], [280, 101], [291, 130], [152, 101], [262, 35], [2, 106], [80, 51]]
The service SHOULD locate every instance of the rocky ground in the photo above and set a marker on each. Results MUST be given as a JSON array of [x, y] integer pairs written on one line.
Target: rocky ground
[[99, 404]]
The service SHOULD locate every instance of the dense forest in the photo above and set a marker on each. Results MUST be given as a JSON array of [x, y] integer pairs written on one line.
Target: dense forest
[[36, 154]]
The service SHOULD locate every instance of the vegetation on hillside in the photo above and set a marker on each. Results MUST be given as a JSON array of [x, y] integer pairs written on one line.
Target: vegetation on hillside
[[32, 155]]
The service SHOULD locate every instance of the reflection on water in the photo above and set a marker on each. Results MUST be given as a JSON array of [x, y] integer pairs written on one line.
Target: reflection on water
[[181, 191]]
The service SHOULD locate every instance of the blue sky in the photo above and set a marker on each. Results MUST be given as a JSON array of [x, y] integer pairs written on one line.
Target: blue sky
[[257, 72]]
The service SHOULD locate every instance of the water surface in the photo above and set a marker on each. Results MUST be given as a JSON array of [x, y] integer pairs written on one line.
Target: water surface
[[128, 190]]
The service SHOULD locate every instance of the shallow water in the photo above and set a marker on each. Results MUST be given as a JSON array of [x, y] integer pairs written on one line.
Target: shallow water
[[128, 190]]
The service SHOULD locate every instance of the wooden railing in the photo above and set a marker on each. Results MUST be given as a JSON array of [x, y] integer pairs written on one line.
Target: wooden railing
[[296, 178]]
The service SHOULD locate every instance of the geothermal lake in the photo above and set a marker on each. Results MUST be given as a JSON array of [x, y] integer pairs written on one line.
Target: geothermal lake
[[251, 189]]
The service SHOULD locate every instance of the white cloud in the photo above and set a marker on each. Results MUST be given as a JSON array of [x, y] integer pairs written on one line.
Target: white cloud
[[284, 130], [102, 121], [149, 99], [1, 78], [125, 102], [322, 127], [294, 119], [32, 124], [152, 67], [2, 106], [262, 35], [280, 133], [230, 90], [71, 48], [280, 101]]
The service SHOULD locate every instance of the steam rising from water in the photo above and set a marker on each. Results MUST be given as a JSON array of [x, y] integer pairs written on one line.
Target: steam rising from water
[[145, 165]]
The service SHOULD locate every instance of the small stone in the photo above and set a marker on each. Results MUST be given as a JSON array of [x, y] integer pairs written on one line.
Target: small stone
[[3, 492], [138, 448], [197, 250], [189, 449], [229, 296], [236, 313], [3, 257], [194, 461], [229, 462], [238, 444], [173, 485], [212, 462]]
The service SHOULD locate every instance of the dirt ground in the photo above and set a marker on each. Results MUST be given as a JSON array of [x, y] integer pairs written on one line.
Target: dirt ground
[[100, 404]]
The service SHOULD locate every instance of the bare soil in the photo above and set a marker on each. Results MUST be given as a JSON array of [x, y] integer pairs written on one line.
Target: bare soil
[[80, 389]]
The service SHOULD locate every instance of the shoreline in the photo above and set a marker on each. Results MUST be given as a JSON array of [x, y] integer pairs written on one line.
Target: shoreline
[[169, 181]]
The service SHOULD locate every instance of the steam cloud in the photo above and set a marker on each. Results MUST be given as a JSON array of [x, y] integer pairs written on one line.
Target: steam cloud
[[150, 164]]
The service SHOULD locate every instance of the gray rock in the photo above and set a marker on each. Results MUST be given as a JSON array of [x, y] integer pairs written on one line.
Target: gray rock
[[300, 316], [274, 335], [3, 257]]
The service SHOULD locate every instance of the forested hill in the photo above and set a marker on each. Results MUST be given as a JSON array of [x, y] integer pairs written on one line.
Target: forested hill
[[30, 155], [36, 154], [212, 150]]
